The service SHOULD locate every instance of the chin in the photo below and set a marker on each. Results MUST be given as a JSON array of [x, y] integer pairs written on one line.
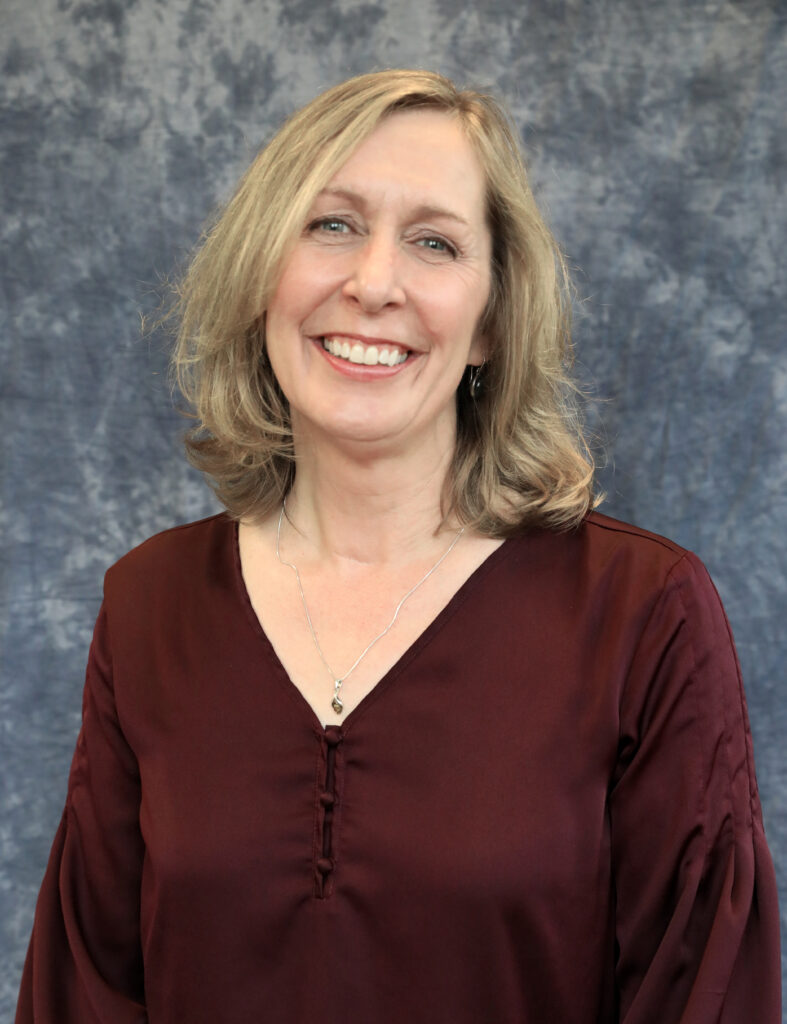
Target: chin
[[365, 434], [350, 421], [375, 430]]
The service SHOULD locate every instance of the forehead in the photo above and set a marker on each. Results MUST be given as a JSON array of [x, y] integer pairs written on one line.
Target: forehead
[[420, 153]]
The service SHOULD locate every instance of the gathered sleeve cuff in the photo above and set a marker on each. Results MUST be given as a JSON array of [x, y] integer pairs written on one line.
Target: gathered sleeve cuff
[[84, 962], [697, 924]]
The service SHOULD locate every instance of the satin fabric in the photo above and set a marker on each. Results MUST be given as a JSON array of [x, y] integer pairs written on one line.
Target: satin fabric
[[545, 812]]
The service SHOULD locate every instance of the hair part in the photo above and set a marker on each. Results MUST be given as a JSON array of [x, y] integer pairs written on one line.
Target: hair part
[[520, 458]]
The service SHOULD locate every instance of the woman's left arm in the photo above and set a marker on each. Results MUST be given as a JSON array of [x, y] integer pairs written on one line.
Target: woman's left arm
[[697, 922], [84, 962]]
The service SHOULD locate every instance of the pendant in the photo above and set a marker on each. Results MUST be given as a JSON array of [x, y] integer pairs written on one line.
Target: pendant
[[336, 703]]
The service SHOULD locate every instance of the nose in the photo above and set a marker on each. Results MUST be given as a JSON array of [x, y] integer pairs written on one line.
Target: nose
[[374, 280]]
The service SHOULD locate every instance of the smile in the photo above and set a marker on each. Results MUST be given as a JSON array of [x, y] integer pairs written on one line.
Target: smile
[[365, 355]]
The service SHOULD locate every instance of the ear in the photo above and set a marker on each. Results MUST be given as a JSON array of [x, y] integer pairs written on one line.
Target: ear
[[478, 350]]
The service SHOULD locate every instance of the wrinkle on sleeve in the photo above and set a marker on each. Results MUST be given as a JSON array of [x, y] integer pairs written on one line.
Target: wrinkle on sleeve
[[84, 962], [696, 907]]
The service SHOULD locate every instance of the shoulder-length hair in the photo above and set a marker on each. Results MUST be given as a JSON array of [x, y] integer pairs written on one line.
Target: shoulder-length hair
[[520, 457]]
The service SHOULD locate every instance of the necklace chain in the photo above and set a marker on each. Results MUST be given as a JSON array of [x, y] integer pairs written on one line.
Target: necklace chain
[[336, 702]]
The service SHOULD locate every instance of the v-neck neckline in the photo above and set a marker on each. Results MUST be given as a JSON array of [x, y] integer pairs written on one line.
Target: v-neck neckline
[[446, 612]]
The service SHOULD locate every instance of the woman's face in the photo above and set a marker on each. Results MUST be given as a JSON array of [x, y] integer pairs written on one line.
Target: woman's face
[[376, 312]]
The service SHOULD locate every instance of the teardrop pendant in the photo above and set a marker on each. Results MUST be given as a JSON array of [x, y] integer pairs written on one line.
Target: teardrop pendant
[[336, 703]]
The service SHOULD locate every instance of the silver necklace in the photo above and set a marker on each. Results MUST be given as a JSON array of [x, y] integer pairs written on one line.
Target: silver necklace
[[338, 681]]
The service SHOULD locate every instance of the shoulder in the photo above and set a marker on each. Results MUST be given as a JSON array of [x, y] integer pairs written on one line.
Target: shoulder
[[611, 570], [174, 559], [611, 537], [630, 551], [663, 588], [605, 547]]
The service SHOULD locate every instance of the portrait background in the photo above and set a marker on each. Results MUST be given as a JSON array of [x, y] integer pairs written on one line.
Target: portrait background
[[656, 139]]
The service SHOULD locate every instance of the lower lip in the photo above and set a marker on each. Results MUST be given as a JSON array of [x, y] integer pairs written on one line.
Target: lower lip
[[360, 371]]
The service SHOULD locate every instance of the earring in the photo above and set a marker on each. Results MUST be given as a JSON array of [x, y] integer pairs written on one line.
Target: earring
[[475, 381]]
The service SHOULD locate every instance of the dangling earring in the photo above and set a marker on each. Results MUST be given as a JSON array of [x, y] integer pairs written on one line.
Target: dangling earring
[[474, 381]]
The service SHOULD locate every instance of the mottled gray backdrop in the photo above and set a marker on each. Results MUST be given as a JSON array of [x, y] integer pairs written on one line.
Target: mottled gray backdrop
[[657, 141]]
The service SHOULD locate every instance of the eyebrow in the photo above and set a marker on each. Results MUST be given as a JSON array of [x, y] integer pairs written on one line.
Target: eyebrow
[[424, 210]]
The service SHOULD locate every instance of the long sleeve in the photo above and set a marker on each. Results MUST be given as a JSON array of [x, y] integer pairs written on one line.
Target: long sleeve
[[546, 811], [696, 920], [84, 963]]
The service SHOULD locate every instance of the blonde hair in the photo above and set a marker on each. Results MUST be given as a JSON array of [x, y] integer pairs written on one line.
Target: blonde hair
[[520, 456]]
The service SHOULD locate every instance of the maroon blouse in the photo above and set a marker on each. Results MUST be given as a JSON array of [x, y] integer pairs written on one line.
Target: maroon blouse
[[546, 812]]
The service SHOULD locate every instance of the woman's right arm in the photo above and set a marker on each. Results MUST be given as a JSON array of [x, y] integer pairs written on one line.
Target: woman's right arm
[[84, 963]]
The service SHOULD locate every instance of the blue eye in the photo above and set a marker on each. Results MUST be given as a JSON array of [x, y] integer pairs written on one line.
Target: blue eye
[[439, 246], [330, 225]]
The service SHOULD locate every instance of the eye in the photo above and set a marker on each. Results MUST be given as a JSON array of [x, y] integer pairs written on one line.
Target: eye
[[438, 246], [329, 226]]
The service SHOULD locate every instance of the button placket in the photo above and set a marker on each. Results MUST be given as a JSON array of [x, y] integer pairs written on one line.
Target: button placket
[[324, 863]]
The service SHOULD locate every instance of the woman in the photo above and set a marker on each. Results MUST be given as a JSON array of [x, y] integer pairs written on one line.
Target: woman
[[409, 733]]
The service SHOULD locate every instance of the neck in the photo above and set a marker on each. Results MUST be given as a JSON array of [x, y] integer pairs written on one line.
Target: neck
[[384, 509]]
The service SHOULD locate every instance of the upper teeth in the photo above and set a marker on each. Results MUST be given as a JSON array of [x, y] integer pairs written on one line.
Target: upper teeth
[[369, 355]]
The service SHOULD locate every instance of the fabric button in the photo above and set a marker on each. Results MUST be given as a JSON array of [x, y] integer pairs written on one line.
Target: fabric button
[[333, 736], [325, 865], [327, 799]]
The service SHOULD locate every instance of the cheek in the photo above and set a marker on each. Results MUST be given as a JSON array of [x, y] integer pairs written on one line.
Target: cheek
[[281, 332], [285, 315], [305, 290], [454, 317], [283, 306]]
